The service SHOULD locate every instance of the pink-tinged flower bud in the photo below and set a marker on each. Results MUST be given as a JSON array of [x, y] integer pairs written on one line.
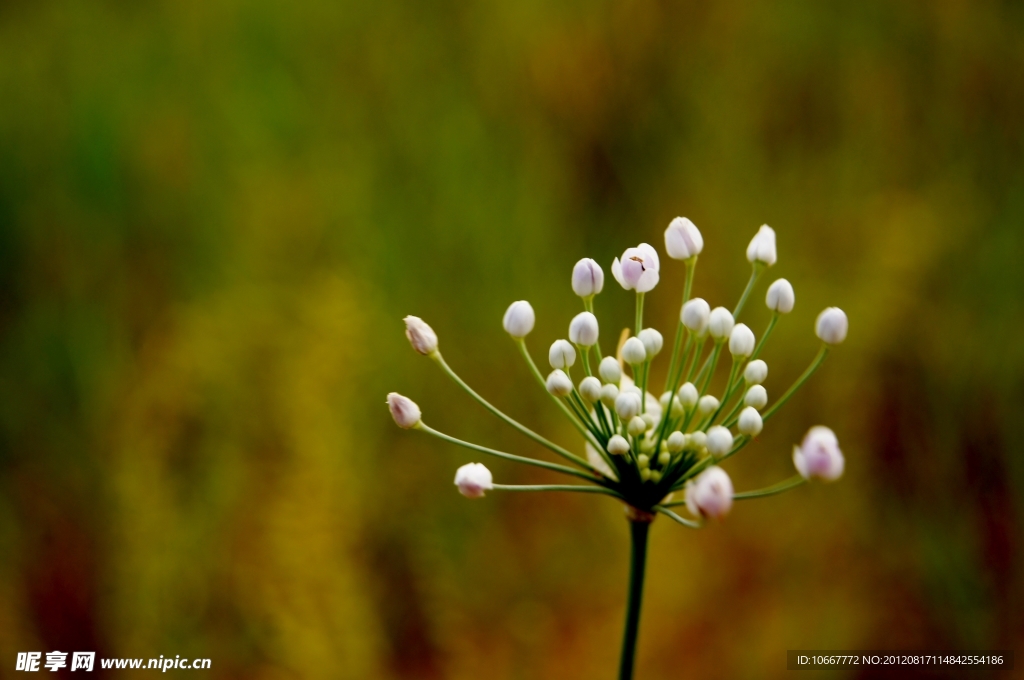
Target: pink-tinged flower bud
[[819, 457], [831, 326], [634, 352], [519, 319], [695, 315], [652, 340], [609, 370], [638, 270], [618, 445], [473, 479], [559, 384], [710, 494], [719, 440], [562, 354], [627, 405], [583, 329], [780, 297], [421, 336], [756, 396], [720, 323], [762, 246], [587, 278], [404, 410], [755, 372], [741, 340], [683, 239], [590, 389], [750, 422]]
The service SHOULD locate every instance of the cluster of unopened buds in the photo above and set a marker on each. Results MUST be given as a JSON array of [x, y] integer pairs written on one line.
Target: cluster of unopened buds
[[641, 448]]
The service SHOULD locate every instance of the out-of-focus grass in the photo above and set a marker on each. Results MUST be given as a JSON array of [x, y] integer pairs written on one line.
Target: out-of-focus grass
[[213, 216]]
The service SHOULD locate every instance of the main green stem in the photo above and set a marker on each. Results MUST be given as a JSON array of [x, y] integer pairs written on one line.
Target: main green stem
[[637, 565]]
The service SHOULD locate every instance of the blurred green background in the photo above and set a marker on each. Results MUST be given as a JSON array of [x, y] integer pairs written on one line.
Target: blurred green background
[[213, 216]]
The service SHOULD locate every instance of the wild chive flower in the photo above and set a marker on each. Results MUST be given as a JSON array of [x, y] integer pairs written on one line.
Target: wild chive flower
[[519, 319], [587, 278], [421, 336], [780, 297], [473, 479], [404, 410], [583, 329], [639, 449], [756, 372], [638, 270], [831, 326], [762, 246], [562, 354], [683, 239], [819, 457]]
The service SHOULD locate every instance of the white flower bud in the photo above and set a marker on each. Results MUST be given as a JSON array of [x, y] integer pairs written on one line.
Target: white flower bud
[[831, 326], [609, 393], [627, 405], [741, 340], [643, 460], [664, 458], [587, 278], [590, 389], [677, 407], [695, 315], [652, 340], [762, 246], [676, 441], [683, 239], [696, 440], [634, 352], [598, 462], [710, 494], [636, 426], [473, 479], [750, 422], [638, 270], [645, 474], [819, 457], [559, 383], [780, 297], [655, 476], [583, 329], [404, 410], [519, 319], [707, 405], [562, 354], [720, 323], [756, 372], [421, 336], [719, 440], [688, 395], [648, 419], [756, 396], [609, 370], [617, 445]]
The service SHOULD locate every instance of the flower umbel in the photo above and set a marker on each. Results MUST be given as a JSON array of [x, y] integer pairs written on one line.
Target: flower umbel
[[637, 448]]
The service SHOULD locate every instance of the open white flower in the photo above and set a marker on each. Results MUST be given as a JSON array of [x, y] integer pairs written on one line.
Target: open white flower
[[638, 270]]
